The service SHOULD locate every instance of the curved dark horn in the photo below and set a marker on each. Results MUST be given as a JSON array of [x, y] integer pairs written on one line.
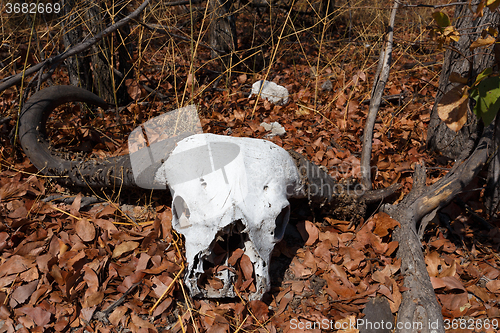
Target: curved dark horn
[[319, 186], [113, 171]]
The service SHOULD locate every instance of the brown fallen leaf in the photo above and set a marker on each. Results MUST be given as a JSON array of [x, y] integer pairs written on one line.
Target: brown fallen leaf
[[455, 303], [246, 267], [133, 89], [91, 278], [124, 248], [300, 270], [85, 230], [453, 284], [384, 224], [259, 309], [433, 261], [22, 293], [16, 264], [437, 283], [450, 271], [40, 316], [480, 292], [235, 256], [118, 315], [93, 298], [159, 286], [308, 231], [453, 106], [220, 325], [310, 261], [493, 286]]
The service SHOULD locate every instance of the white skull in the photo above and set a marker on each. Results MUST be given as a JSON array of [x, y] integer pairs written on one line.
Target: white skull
[[230, 192]]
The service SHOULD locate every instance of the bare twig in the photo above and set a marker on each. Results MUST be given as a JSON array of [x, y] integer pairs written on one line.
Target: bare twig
[[5, 120], [376, 98], [181, 3], [157, 29], [438, 6], [54, 61], [377, 195], [102, 316]]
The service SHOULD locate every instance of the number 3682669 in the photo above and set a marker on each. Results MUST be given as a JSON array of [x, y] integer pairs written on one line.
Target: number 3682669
[[31, 8]]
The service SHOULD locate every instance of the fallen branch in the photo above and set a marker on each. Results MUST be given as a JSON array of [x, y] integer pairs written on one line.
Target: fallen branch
[[377, 195], [54, 61], [419, 304]]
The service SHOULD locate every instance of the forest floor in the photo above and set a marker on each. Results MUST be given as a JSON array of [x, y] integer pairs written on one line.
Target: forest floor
[[76, 267]]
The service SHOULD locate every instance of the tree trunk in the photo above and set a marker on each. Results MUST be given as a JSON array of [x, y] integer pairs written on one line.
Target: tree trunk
[[440, 138], [493, 187], [78, 67], [100, 56], [459, 59], [125, 51], [222, 29], [93, 70]]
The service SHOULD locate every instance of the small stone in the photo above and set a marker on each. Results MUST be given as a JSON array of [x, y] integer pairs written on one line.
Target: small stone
[[327, 86], [271, 91], [275, 128]]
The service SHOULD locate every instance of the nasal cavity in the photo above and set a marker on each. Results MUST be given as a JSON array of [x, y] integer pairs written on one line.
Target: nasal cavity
[[226, 241], [281, 222], [181, 212]]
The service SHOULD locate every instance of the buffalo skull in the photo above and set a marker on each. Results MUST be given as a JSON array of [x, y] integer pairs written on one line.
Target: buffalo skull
[[228, 193]]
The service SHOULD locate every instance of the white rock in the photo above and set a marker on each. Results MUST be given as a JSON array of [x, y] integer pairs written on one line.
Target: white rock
[[275, 128], [271, 91]]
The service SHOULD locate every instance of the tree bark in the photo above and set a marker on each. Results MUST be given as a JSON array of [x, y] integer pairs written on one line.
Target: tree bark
[[222, 29], [419, 304], [100, 57], [94, 70], [467, 63], [381, 77], [78, 67], [459, 59], [493, 186]]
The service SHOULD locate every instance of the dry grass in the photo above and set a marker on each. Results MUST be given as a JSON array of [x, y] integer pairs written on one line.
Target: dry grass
[[352, 33], [296, 48]]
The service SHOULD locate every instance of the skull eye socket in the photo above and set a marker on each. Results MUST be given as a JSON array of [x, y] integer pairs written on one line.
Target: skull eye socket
[[181, 212], [281, 222]]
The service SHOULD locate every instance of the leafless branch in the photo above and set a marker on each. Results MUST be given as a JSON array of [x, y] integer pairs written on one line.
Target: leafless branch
[[54, 61], [376, 98], [181, 3], [160, 30], [438, 6]]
